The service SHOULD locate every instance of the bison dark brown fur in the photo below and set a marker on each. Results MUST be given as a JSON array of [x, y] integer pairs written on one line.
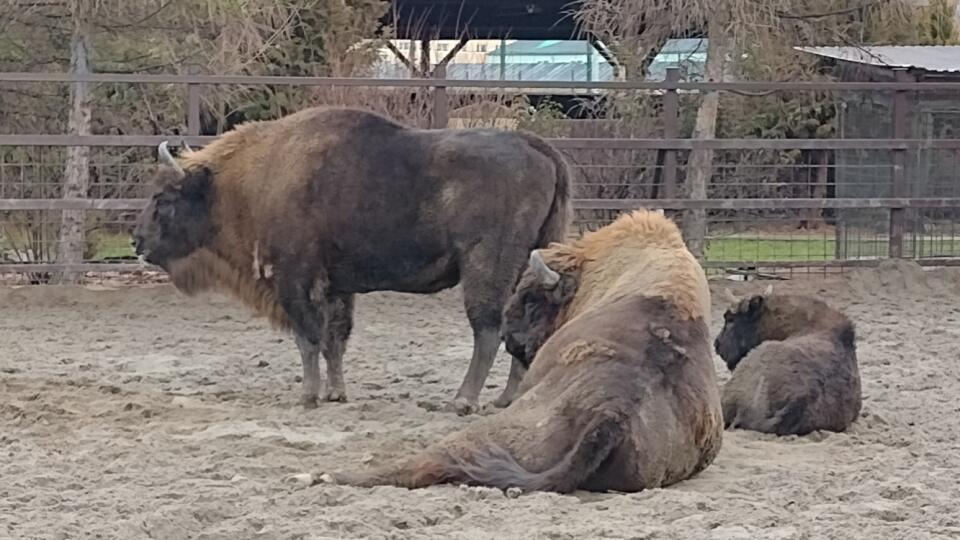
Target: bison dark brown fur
[[296, 216], [794, 364], [621, 393]]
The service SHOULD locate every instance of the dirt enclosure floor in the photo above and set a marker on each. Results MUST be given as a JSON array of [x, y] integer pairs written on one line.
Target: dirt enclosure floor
[[139, 413]]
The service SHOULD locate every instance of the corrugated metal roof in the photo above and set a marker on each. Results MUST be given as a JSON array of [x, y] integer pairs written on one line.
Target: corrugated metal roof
[[943, 59]]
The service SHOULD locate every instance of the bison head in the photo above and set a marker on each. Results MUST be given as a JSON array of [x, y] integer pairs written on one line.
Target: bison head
[[176, 222], [530, 317], [741, 330]]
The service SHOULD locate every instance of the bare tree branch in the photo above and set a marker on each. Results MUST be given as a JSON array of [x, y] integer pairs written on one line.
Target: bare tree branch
[[834, 13]]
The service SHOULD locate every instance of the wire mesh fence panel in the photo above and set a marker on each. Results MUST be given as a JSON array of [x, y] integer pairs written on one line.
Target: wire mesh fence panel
[[626, 143]]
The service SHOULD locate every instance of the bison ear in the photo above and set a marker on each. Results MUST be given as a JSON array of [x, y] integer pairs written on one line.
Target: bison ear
[[196, 183], [566, 289]]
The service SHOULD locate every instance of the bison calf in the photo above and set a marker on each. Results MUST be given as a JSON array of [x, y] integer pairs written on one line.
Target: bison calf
[[794, 364]]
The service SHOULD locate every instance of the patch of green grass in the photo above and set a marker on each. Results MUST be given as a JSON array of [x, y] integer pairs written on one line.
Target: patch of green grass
[[112, 247], [760, 248], [732, 248]]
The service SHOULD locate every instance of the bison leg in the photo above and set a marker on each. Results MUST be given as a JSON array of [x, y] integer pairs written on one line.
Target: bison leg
[[310, 357], [485, 344], [513, 383], [308, 326], [485, 319], [339, 325], [420, 472], [485, 291]]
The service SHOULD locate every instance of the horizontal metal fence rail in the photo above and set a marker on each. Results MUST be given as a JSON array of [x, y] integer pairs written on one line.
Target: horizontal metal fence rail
[[799, 86], [829, 263], [564, 143], [579, 204], [670, 146]]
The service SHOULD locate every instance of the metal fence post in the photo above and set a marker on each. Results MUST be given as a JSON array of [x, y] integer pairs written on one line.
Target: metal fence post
[[440, 117], [671, 130], [899, 159]]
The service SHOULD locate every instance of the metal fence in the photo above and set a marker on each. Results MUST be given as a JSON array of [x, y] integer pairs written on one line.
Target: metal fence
[[786, 223]]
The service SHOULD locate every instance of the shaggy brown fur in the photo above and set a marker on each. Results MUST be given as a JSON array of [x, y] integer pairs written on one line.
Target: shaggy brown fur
[[794, 364], [640, 251], [622, 396], [296, 216]]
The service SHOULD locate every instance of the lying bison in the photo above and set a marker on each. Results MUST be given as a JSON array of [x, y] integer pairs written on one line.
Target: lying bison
[[621, 392], [794, 364], [295, 216]]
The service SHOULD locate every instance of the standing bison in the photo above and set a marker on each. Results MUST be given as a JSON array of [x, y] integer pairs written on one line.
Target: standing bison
[[621, 392], [794, 363], [296, 216]]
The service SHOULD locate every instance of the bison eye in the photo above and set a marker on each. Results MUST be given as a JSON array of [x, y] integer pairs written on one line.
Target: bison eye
[[165, 211]]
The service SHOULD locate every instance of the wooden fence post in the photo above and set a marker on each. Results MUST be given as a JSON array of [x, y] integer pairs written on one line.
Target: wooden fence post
[[440, 117], [899, 158], [76, 174], [193, 109], [671, 130], [193, 103]]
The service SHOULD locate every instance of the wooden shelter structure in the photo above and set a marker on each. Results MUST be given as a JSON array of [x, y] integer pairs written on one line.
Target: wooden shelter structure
[[928, 115], [463, 20], [483, 19]]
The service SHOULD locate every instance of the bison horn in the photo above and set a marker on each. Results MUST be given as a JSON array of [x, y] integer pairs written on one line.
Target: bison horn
[[547, 277], [729, 297], [165, 157], [186, 147], [769, 290]]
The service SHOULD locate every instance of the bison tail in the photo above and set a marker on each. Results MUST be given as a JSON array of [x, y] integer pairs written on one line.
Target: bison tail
[[554, 228], [495, 467]]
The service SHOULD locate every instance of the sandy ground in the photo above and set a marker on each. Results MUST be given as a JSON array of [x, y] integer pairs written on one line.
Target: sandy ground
[[139, 413]]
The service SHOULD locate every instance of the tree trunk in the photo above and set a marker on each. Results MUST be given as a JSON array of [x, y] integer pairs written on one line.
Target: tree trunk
[[76, 179], [700, 166]]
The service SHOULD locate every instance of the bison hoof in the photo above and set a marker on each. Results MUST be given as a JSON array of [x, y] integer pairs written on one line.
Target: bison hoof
[[310, 402], [461, 406], [336, 394], [303, 479], [325, 478], [503, 402]]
